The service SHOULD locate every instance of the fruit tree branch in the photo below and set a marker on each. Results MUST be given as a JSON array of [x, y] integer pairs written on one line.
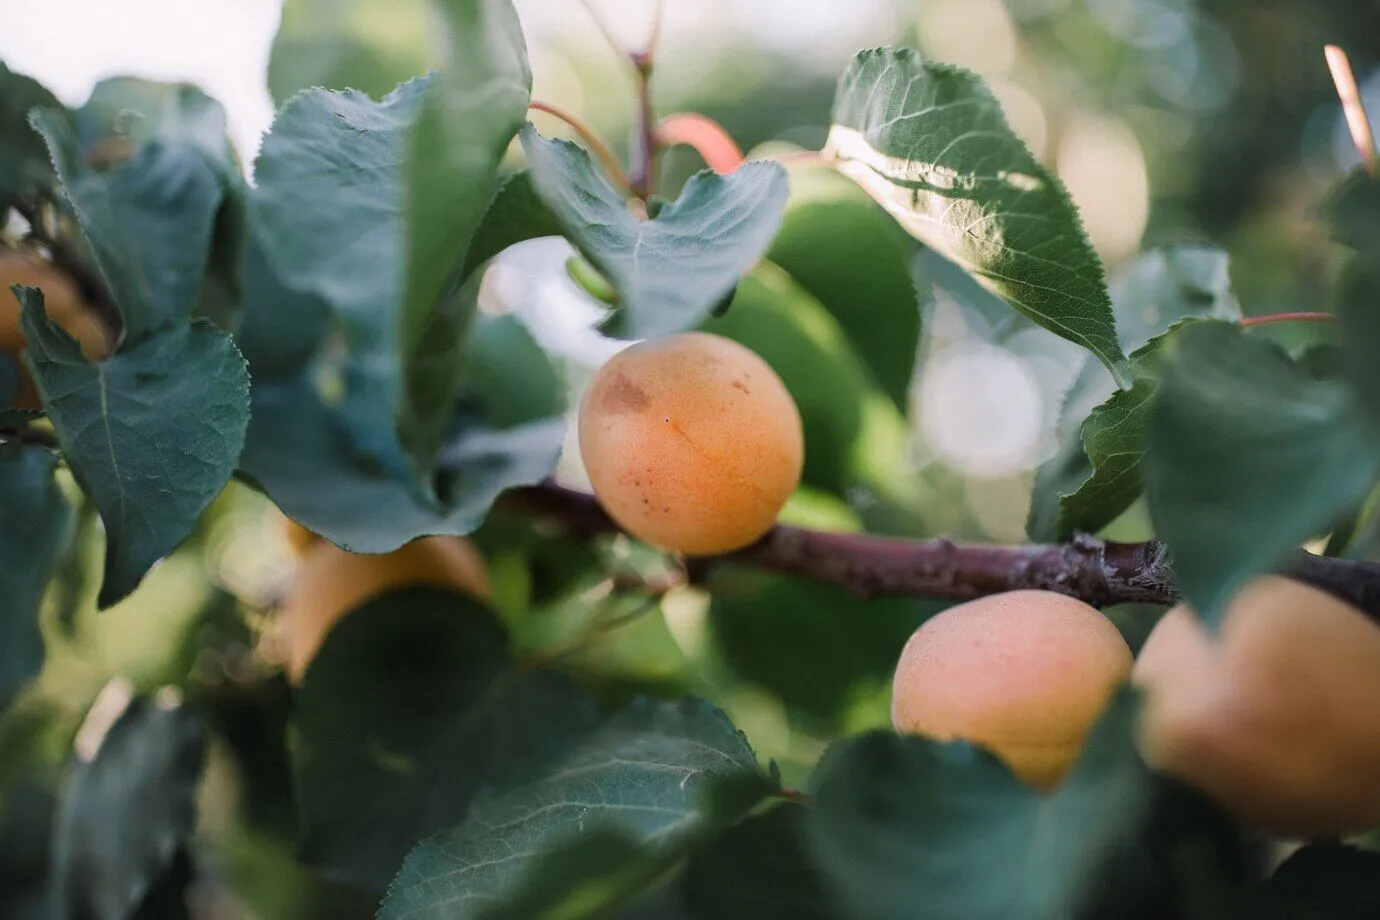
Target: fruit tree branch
[[1099, 572]]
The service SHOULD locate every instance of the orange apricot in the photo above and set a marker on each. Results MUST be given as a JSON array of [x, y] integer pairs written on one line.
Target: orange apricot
[[1024, 674], [1275, 716], [331, 582], [692, 443], [64, 306]]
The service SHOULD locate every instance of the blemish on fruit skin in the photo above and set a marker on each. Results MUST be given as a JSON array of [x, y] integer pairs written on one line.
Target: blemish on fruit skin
[[622, 396]]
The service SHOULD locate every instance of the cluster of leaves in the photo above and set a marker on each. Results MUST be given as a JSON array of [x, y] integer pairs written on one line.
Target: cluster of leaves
[[318, 335]]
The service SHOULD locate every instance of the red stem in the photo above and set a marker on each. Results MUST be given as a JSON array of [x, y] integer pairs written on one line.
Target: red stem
[[715, 145], [1315, 316]]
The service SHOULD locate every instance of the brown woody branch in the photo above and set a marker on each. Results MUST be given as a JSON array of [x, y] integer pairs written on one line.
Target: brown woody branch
[[1099, 572]]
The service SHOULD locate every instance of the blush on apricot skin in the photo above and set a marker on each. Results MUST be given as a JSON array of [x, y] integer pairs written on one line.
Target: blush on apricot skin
[[691, 443], [1025, 674]]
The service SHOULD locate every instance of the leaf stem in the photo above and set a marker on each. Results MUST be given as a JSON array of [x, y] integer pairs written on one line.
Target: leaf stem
[[603, 26], [646, 146], [715, 145], [592, 140], [1353, 107], [1265, 319]]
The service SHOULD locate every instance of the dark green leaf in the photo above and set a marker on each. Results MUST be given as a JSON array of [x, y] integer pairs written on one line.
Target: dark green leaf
[[906, 826], [672, 271], [139, 112], [309, 457], [126, 813], [152, 434], [148, 221], [470, 114], [762, 869], [280, 329], [1248, 457], [34, 522], [852, 258], [10, 382], [508, 377], [930, 143], [644, 774], [410, 707], [1329, 881], [783, 634], [1152, 298], [1113, 445], [515, 215], [25, 169]]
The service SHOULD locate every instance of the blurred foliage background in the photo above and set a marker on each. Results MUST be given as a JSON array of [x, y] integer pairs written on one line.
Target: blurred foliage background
[[1169, 120]]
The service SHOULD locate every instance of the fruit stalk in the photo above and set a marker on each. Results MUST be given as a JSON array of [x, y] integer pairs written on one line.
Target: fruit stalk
[[1098, 572]]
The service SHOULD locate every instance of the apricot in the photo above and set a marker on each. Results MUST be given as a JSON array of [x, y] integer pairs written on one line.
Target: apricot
[[64, 306], [331, 582], [692, 442], [1276, 717], [299, 539], [1024, 674]]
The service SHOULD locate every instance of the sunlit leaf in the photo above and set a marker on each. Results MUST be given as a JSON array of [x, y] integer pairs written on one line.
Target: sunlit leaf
[[930, 143]]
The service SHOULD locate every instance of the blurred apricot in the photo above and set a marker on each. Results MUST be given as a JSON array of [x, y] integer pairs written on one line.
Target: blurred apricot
[[64, 306], [330, 582], [1024, 674], [1274, 717]]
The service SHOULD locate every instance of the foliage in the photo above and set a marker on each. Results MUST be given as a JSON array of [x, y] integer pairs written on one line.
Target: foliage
[[610, 731]]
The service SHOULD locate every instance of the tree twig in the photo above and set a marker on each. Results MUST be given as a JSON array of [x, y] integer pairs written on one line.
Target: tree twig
[[1100, 572], [1301, 316], [1353, 107]]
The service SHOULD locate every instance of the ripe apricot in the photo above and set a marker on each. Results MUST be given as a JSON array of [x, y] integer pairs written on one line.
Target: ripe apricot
[[1275, 717], [64, 306], [1024, 674], [692, 443], [331, 582], [299, 539]]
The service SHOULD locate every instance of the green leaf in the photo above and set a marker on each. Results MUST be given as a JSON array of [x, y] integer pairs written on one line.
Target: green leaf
[[1248, 457], [280, 329], [148, 222], [516, 214], [411, 706], [762, 869], [850, 256], [139, 112], [1329, 881], [34, 522], [1156, 295], [125, 114], [308, 456], [644, 773], [471, 112], [126, 813], [930, 143], [25, 170], [594, 872], [1353, 208], [508, 377], [783, 634], [151, 434], [906, 824], [671, 272], [367, 45]]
